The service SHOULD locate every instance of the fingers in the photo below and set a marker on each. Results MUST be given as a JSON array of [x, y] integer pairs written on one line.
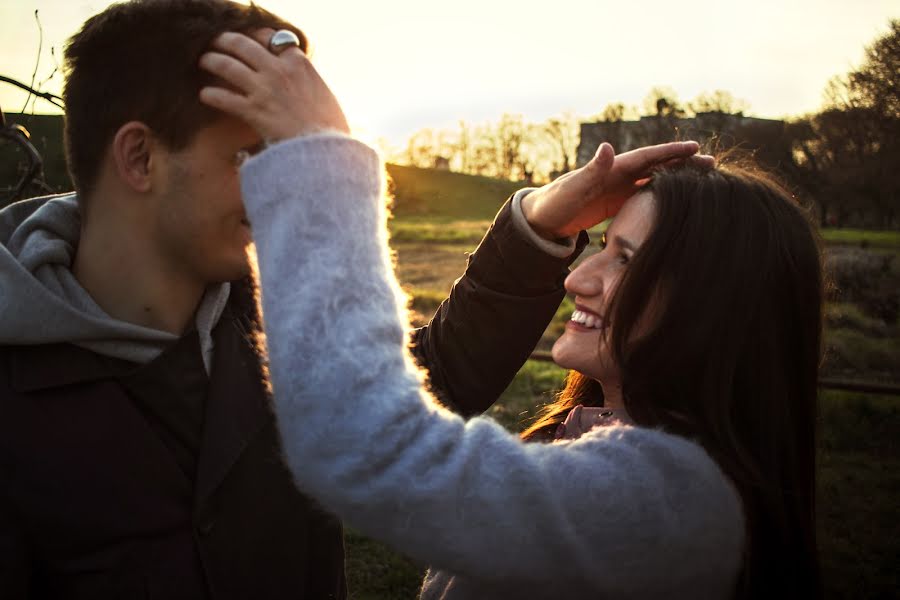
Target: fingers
[[642, 160], [572, 425], [229, 69], [227, 101], [263, 35], [250, 51], [280, 96], [574, 416], [704, 161]]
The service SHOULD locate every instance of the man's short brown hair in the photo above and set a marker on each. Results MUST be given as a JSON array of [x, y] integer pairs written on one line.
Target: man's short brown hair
[[138, 61]]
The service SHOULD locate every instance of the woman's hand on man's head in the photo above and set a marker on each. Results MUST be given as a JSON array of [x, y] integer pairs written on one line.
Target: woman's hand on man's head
[[280, 95], [584, 197]]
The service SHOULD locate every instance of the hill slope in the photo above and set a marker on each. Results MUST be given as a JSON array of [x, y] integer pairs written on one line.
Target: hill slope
[[444, 195]]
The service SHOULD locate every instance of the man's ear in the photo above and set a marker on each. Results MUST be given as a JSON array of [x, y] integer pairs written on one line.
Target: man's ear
[[132, 148]]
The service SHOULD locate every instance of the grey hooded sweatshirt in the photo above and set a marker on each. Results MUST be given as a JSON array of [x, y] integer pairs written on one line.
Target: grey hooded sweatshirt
[[41, 302]]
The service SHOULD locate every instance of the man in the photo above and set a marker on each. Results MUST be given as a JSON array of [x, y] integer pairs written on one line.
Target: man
[[138, 453]]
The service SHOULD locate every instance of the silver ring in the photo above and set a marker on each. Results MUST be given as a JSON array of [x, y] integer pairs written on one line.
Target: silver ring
[[281, 40]]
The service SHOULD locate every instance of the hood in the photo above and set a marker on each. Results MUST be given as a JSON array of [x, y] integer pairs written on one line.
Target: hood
[[41, 302]]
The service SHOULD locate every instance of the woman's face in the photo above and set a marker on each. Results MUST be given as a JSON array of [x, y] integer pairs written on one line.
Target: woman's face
[[582, 346]]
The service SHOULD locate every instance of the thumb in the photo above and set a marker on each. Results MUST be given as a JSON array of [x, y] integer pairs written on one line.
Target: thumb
[[603, 159]]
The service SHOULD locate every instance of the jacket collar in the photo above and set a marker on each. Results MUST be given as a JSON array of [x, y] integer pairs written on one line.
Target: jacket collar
[[237, 406]]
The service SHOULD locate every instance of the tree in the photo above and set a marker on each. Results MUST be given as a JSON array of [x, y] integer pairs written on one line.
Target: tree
[[876, 84], [662, 101], [562, 132], [718, 101], [483, 153], [852, 148], [613, 113], [510, 134], [420, 149], [462, 147], [826, 160]]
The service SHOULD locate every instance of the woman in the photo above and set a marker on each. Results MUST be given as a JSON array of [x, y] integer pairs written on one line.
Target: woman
[[725, 351], [700, 320]]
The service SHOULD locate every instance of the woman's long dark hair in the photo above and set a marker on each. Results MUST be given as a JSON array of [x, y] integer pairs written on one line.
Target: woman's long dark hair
[[732, 354]]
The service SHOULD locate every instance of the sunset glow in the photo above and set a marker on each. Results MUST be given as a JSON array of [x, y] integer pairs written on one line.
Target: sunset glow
[[401, 65]]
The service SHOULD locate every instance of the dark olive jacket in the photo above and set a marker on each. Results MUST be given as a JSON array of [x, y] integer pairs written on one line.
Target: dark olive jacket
[[155, 481]]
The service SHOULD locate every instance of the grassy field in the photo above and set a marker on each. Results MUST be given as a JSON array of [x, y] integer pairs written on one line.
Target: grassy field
[[862, 237], [441, 194]]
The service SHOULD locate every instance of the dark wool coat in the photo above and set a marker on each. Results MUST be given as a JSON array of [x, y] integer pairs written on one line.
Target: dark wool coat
[[155, 481]]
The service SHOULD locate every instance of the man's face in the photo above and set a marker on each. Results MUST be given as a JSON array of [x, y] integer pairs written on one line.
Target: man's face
[[201, 224]]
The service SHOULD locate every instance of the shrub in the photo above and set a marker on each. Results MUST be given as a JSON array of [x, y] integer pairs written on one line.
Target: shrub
[[867, 278]]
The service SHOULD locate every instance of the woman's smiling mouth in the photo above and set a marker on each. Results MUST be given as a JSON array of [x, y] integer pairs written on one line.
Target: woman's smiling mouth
[[586, 319]]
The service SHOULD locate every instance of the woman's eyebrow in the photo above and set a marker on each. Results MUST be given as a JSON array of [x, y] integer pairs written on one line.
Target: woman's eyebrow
[[626, 243]]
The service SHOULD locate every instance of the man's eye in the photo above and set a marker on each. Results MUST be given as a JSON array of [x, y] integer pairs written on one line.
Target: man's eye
[[240, 157]]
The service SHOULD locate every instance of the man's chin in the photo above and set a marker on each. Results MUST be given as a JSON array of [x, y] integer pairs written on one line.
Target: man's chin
[[242, 270], [237, 269]]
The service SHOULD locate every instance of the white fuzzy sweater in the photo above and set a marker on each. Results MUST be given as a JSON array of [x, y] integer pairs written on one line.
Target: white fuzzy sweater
[[622, 512]]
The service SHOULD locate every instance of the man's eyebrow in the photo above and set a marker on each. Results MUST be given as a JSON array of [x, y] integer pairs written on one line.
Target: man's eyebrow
[[626, 243], [256, 148]]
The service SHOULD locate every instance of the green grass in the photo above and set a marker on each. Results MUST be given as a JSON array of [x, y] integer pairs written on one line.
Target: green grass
[[436, 193], [417, 229], [858, 495], [558, 324], [376, 572], [862, 237], [846, 315], [532, 387], [853, 351], [425, 301]]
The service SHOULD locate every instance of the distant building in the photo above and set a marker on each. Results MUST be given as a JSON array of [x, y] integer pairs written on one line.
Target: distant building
[[715, 131], [442, 163]]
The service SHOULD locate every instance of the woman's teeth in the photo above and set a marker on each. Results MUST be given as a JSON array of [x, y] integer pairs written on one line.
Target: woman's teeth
[[590, 321]]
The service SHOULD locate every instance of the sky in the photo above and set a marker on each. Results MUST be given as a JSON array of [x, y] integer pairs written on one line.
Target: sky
[[398, 66]]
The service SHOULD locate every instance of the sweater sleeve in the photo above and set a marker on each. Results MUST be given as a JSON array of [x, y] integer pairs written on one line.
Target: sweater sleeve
[[362, 436]]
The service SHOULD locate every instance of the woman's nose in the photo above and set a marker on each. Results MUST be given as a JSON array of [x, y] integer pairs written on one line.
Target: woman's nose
[[587, 278]]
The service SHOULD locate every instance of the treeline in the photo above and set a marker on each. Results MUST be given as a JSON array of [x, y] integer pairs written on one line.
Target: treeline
[[845, 158], [513, 148]]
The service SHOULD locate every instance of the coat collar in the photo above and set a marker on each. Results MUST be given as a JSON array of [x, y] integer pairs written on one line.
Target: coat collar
[[237, 406]]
